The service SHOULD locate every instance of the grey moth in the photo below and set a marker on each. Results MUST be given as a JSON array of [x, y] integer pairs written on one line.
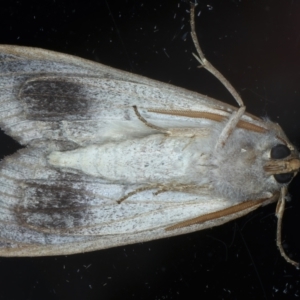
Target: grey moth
[[114, 158]]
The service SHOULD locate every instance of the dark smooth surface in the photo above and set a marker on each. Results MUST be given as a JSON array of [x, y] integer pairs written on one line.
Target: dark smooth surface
[[255, 44]]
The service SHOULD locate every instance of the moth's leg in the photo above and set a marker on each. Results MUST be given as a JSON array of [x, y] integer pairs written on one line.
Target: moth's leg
[[188, 132], [229, 127], [162, 189], [279, 213], [207, 65], [236, 116], [185, 188], [150, 125], [141, 189]]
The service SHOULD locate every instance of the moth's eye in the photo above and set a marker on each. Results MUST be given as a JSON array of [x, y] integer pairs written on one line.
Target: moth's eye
[[284, 178], [280, 151]]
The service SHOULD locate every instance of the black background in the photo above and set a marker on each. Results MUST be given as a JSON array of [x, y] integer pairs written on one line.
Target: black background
[[255, 44]]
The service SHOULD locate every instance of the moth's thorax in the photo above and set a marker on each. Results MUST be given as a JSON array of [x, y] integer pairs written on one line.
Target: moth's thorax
[[240, 174]]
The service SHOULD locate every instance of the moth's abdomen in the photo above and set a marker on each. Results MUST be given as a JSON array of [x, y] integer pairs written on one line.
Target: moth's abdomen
[[156, 159]]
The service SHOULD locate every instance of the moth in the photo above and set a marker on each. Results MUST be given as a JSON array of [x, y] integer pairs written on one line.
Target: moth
[[114, 158]]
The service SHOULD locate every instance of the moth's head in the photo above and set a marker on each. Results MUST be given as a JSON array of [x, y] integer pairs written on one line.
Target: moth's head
[[284, 159], [284, 163]]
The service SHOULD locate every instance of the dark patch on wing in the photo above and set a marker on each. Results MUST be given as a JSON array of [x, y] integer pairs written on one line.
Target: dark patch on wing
[[53, 207], [60, 195], [49, 99], [51, 220]]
